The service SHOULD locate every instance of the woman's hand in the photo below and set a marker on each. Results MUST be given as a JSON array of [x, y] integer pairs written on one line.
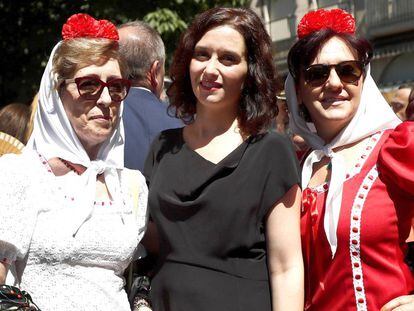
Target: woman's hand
[[141, 304], [3, 272], [402, 303]]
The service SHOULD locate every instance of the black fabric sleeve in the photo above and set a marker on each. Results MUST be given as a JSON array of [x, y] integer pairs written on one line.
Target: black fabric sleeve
[[150, 160], [282, 170]]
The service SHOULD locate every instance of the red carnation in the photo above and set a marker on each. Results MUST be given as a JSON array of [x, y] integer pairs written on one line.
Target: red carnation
[[107, 30], [85, 26], [336, 19], [342, 21]]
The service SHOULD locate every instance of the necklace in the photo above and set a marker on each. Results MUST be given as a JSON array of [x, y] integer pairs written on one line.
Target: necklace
[[74, 168], [329, 167]]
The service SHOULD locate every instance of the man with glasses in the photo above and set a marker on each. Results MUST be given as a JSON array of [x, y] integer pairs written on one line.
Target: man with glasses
[[144, 114]]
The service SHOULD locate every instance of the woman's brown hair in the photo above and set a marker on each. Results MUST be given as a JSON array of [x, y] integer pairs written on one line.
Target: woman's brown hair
[[14, 120], [258, 103]]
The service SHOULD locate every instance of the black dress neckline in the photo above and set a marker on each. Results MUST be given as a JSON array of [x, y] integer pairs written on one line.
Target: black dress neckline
[[211, 221], [230, 160]]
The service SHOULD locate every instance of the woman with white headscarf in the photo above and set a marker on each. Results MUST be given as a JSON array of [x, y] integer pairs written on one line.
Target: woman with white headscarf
[[357, 196], [71, 214]]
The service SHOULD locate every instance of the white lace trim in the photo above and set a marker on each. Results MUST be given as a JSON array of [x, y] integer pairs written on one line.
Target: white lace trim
[[355, 238]]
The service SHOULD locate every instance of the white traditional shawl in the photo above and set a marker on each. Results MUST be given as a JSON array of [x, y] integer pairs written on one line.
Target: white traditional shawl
[[53, 136]]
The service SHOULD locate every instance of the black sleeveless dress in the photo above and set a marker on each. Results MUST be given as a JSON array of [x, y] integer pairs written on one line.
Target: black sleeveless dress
[[211, 221]]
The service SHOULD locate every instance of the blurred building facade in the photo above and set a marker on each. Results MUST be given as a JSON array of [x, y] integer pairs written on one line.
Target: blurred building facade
[[388, 24]]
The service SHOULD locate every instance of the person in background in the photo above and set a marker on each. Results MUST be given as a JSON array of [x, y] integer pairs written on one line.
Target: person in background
[[71, 214], [282, 118], [282, 127], [15, 121], [144, 115], [358, 184], [224, 191], [399, 101], [409, 111]]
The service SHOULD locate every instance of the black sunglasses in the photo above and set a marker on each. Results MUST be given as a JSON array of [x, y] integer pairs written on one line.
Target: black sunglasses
[[349, 72], [91, 87]]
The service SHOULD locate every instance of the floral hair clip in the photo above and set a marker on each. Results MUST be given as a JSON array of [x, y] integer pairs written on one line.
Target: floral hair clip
[[85, 26], [336, 19]]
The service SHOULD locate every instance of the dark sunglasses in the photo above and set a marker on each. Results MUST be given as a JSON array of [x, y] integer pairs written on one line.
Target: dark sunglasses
[[348, 71], [91, 87]]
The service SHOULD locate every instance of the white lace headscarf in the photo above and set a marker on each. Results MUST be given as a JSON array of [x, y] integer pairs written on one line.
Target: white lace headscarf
[[53, 136], [373, 115]]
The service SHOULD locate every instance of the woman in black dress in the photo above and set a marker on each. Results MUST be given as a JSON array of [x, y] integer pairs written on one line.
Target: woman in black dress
[[224, 192]]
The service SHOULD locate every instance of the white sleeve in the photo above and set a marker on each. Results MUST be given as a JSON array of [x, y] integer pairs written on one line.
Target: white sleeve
[[138, 196], [142, 214], [17, 215], [141, 210]]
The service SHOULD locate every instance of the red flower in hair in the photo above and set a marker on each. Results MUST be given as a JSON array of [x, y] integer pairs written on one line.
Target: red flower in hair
[[338, 20], [107, 30], [85, 26]]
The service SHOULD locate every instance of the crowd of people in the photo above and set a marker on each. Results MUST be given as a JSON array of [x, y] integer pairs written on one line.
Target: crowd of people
[[233, 215]]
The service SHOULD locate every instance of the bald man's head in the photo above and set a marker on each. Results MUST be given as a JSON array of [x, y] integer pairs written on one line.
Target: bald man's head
[[144, 51]]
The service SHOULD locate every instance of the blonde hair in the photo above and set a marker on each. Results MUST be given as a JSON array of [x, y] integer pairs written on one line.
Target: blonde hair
[[78, 53]]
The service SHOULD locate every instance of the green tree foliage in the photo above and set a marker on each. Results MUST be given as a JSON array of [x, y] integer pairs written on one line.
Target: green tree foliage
[[30, 29]]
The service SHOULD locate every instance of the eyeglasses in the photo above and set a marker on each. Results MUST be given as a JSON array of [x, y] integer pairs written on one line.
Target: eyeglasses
[[91, 87], [348, 71]]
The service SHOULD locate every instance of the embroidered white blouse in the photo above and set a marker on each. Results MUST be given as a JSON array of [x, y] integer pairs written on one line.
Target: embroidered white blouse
[[62, 270]]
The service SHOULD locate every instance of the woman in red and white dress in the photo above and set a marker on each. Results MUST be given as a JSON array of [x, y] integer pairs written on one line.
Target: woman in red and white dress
[[358, 182]]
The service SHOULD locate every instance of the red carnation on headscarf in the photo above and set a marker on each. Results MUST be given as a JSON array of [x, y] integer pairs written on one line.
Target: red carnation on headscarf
[[338, 20], [107, 30], [85, 26]]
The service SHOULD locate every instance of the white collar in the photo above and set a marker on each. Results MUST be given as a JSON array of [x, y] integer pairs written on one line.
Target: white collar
[[142, 88]]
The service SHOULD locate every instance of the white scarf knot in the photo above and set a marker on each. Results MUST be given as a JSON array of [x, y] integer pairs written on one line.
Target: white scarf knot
[[327, 150], [98, 167]]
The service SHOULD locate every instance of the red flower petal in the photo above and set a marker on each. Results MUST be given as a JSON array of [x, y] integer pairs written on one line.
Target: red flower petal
[[107, 30], [342, 21], [84, 25], [338, 20]]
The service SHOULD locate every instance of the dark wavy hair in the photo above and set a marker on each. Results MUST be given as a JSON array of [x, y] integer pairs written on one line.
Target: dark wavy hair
[[257, 105], [305, 50]]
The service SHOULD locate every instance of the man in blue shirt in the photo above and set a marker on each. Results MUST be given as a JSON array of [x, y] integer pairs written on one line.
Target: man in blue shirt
[[144, 114]]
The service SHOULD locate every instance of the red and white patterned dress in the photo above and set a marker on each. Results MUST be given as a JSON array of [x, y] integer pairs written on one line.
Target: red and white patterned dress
[[368, 269]]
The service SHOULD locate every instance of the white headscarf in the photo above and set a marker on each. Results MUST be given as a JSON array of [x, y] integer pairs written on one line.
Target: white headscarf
[[373, 115], [53, 136]]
